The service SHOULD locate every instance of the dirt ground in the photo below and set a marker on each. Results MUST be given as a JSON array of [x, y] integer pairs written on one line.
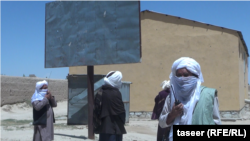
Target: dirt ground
[[16, 125]]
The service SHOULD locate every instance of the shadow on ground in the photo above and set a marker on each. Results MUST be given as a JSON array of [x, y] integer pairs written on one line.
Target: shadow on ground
[[72, 136]]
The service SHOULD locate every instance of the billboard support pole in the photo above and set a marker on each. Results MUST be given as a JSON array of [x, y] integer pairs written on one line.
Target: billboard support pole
[[90, 77]]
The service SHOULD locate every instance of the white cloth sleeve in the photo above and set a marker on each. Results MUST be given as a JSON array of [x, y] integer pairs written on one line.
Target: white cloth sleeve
[[216, 112], [164, 114]]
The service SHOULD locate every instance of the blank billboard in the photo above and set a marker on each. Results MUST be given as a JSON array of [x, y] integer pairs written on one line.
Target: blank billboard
[[87, 33]]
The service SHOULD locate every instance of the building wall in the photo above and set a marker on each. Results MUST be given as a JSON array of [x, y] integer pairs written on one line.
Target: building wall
[[167, 38], [243, 75], [20, 89]]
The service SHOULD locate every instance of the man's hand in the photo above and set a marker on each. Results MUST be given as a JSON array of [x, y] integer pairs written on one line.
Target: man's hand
[[176, 111], [51, 96], [48, 95]]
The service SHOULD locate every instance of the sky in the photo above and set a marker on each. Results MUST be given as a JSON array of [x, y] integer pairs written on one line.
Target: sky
[[23, 30]]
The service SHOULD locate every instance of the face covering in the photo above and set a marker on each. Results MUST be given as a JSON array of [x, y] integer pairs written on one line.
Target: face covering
[[184, 87], [39, 94], [43, 92]]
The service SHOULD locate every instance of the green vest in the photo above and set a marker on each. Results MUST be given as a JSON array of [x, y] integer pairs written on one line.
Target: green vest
[[203, 112]]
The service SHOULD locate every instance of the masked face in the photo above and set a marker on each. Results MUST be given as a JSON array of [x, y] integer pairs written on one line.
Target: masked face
[[185, 83], [185, 78], [43, 91]]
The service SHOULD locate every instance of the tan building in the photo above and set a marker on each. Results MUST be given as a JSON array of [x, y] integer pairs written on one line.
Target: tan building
[[221, 52]]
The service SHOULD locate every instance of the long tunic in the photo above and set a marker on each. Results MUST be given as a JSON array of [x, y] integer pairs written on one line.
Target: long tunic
[[113, 111], [42, 132]]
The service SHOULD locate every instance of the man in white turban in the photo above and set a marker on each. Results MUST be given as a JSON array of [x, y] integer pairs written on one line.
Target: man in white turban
[[199, 104], [114, 78], [43, 115], [112, 114]]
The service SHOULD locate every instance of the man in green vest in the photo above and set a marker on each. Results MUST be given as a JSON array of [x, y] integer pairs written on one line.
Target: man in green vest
[[189, 102]]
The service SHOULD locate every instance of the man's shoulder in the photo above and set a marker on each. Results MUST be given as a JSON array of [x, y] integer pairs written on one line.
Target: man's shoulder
[[202, 87], [161, 93], [208, 90], [164, 93]]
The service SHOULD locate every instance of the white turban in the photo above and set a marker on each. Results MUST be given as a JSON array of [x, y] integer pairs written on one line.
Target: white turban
[[114, 80], [165, 84], [186, 89], [39, 94]]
